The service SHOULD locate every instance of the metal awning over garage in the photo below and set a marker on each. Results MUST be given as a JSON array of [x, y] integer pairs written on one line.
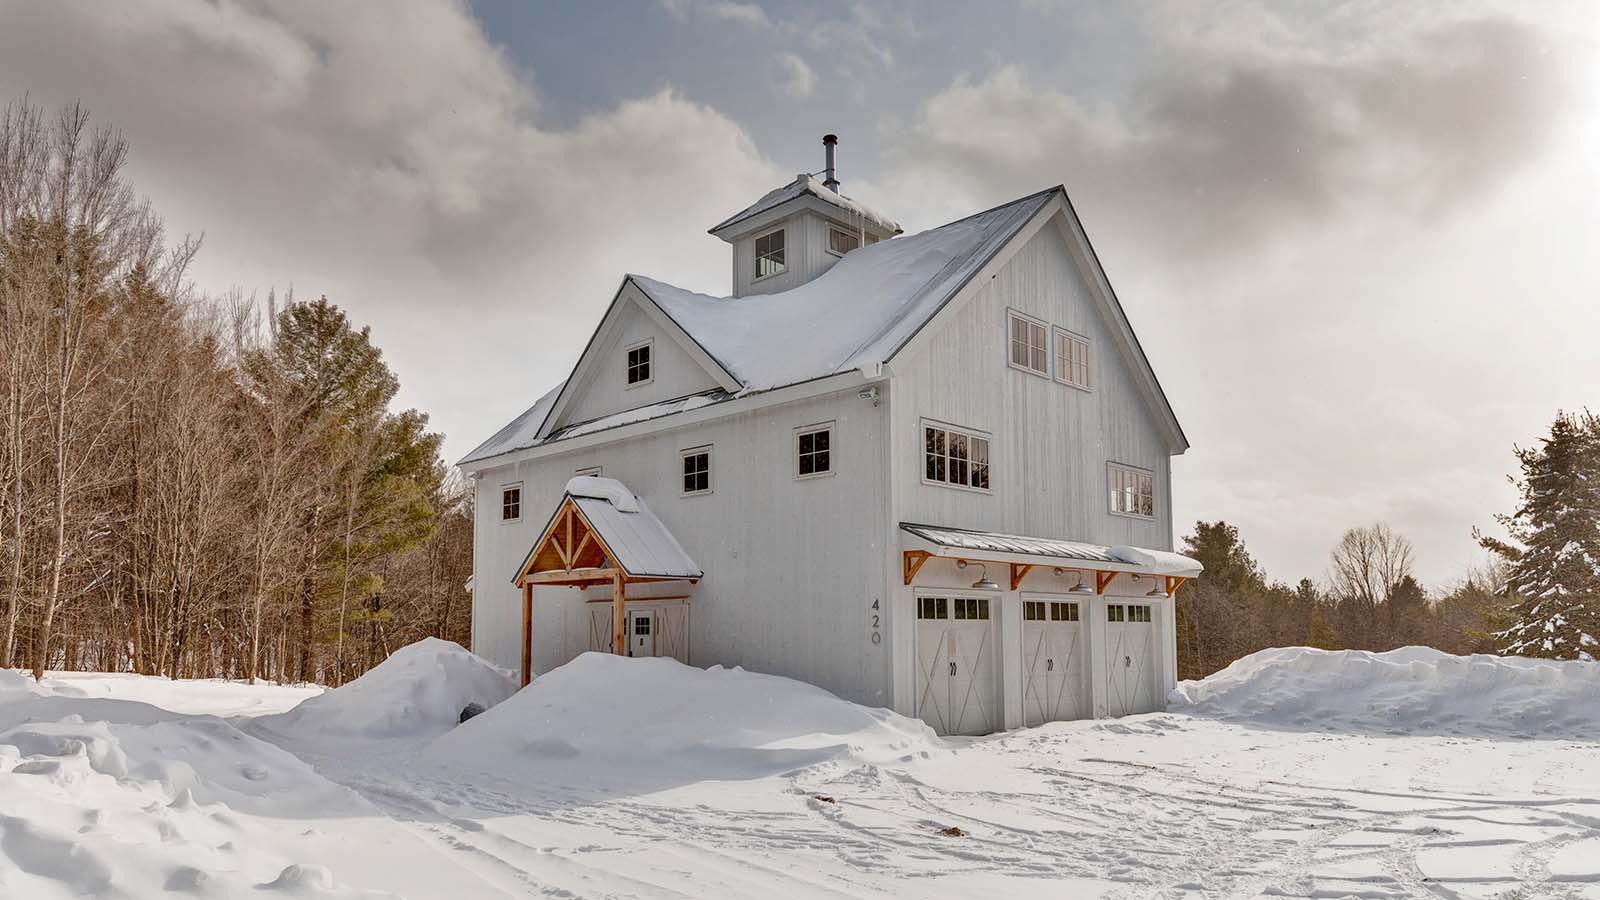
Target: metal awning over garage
[[924, 542]]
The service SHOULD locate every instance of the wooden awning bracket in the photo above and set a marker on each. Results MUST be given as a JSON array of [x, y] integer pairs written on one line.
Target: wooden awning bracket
[[1102, 580], [911, 561], [1019, 571]]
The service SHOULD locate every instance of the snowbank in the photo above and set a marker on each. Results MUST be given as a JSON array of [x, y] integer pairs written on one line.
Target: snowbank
[[418, 692], [602, 716], [1412, 690]]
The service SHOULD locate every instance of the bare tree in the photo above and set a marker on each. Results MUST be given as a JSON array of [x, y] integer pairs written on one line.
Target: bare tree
[[1368, 562]]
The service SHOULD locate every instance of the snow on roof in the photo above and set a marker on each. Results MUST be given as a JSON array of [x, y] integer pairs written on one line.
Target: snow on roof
[[638, 540], [522, 432], [801, 186], [1155, 562], [854, 315]]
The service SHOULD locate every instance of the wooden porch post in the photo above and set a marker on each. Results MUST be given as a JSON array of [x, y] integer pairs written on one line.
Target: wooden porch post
[[619, 620], [527, 632]]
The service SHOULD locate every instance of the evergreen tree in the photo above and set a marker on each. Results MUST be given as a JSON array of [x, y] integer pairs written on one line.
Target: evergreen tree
[[1555, 573]]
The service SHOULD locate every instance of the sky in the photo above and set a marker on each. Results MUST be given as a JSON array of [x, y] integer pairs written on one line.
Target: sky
[[1359, 241]]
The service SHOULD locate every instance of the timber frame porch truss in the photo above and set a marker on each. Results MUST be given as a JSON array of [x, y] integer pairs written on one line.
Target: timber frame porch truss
[[571, 553]]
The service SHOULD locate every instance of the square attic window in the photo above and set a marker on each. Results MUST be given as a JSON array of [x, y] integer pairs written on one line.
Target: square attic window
[[769, 254]]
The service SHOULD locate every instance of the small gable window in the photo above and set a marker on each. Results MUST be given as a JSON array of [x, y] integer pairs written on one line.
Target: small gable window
[[639, 363], [1132, 491], [1072, 359], [814, 451], [1028, 347], [697, 470], [769, 254], [511, 503], [841, 242]]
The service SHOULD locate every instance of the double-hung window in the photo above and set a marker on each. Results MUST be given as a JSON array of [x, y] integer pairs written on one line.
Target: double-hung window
[[1132, 491], [813, 451], [639, 363], [1029, 350], [769, 254], [696, 470], [955, 456], [1072, 359]]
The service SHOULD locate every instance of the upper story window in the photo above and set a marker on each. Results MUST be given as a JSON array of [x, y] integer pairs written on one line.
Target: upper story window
[[697, 470], [1029, 350], [639, 363], [813, 451], [955, 456], [841, 242], [511, 503], [1133, 491], [595, 471], [1072, 359], [769, 254]]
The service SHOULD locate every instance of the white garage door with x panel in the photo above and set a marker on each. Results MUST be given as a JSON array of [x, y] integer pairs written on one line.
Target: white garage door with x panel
[[1054, 686], [955, 663], [1130, 659]]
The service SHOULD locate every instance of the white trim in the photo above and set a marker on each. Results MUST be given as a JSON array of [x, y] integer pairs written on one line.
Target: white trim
[[1056, 333], [711, 483], [521, 501], [1049, 348], [648, 343], [833, 445], [1111, 506], [922, 454]]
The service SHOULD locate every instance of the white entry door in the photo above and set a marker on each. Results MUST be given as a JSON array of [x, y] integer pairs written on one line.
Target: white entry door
[[955, 662], [641, 632], [1053, 684], [1130, 659]]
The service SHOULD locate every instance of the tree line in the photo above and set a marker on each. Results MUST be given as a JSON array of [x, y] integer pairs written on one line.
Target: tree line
[[1536, 595], [192, 485]]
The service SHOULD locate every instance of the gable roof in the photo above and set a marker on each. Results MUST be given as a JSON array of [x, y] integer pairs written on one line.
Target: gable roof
[[628, 534], [805, 185], [854, 317]]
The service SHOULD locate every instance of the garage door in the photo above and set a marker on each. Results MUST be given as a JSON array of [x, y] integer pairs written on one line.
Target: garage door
[[1130, 659], [1053, 683], [955, 661]]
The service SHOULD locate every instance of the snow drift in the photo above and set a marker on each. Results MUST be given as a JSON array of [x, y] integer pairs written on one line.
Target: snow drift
[[601, 715], [418, 692], [1412, 690]]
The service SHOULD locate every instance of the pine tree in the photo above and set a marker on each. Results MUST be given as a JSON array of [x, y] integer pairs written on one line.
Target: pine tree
[[1555, 573]]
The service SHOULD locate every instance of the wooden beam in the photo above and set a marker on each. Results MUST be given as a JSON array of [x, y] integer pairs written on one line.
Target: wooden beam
[[567, 544], [582, 545], [912, 561], [619, 616], [1102, 580], [640, 599], [1173, 583], [527, 633], [1019, 571], [565, 576]]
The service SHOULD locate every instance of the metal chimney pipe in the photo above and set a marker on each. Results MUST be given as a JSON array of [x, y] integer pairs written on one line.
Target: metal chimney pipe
[[830, 178]]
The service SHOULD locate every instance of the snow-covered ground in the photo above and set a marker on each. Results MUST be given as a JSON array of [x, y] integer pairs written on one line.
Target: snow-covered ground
[[1293, 773]]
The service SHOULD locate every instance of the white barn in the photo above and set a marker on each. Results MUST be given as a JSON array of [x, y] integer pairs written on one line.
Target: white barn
[[928, 472]]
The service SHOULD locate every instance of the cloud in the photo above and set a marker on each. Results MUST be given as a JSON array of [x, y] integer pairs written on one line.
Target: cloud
[[799, 81], [409, 178], [1226, 147]]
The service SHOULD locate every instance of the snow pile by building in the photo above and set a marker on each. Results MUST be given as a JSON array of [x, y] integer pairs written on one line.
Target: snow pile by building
[[1412, 690], [601, 718], [418, 692]]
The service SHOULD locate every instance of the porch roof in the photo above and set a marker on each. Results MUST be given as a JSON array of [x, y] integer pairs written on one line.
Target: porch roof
[[967, 543], [601, 529]]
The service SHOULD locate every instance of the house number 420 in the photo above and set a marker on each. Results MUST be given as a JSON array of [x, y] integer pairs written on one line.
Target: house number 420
[[877, 636]]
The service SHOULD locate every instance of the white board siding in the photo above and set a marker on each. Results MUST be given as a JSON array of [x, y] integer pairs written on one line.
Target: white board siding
[[791, 565], [673, 372], [805, 255], [1051, 441]]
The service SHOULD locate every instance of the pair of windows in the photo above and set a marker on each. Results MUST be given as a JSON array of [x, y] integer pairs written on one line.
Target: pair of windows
[[813, 457], [1132, 491], [972, 608], [1042, 611], [955, 456], [1031, 351]]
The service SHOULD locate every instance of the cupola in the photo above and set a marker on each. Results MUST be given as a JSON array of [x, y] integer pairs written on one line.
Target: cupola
[[798, 231]]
